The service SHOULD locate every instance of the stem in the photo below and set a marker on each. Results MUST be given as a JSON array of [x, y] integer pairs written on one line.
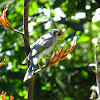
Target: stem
[[97, 69], [19, 32], [27, 48], [43, 68]]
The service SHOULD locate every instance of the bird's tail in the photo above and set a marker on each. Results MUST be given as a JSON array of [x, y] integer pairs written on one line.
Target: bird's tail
[[26, 59], [31, 68]]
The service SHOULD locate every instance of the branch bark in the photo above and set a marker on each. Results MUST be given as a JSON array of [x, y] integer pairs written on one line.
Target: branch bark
[[97, 69], [19, 32], [27, 48], [42, 69]]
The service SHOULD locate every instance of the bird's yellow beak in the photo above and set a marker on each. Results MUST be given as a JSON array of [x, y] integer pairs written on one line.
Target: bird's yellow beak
[[62, 38]]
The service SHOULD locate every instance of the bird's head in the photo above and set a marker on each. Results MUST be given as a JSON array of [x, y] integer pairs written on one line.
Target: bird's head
[[57, 34]]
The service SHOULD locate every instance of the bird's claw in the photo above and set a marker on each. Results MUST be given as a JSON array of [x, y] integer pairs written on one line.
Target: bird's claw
[[39, 66]]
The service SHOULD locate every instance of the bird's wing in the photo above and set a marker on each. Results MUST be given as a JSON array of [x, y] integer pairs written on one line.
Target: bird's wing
[[39, 47]]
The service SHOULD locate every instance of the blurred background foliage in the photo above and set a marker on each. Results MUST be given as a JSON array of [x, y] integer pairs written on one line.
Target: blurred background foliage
[[71, 78]]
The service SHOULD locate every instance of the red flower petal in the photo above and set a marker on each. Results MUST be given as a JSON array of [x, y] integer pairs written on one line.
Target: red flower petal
[[3, 19]]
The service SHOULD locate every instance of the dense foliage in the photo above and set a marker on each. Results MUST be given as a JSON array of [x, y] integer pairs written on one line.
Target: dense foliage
[[71, 78]]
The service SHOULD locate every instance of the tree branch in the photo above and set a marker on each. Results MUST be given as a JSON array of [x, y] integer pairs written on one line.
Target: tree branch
[[42, 68], [19, 32], [27, 48], [97, 69], [26, 2]]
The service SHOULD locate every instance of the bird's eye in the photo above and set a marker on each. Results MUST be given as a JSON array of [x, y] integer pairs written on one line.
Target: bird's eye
[[59, 33]]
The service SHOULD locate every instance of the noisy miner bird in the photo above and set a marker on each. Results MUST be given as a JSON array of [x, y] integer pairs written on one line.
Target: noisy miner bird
[[43, 46]]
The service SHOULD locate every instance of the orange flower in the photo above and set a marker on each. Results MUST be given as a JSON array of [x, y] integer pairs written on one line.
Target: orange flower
[[3, 19], [0, 57], [1, 63], [55, 58], [11, 98], [62, 54], [3, 96]]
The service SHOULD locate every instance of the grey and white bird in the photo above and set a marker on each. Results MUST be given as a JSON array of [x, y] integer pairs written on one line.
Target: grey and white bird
[[43, 46]]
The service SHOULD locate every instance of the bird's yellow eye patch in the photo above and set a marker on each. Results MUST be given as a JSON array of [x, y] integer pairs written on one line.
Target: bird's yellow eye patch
[[56, 33]]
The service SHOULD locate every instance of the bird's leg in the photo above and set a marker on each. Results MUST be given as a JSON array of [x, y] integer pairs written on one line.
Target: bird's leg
[[39, 65], [46, 57]]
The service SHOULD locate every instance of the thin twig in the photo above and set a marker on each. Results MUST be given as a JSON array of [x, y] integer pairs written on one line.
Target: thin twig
[[19, 32], [96, 55], [42, 68], [97, 69]]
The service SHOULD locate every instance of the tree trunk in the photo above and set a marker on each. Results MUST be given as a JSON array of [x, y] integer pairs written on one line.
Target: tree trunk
[[27, 48]]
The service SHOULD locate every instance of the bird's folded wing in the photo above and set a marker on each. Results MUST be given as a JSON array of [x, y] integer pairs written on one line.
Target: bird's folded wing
[[39, 47]]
